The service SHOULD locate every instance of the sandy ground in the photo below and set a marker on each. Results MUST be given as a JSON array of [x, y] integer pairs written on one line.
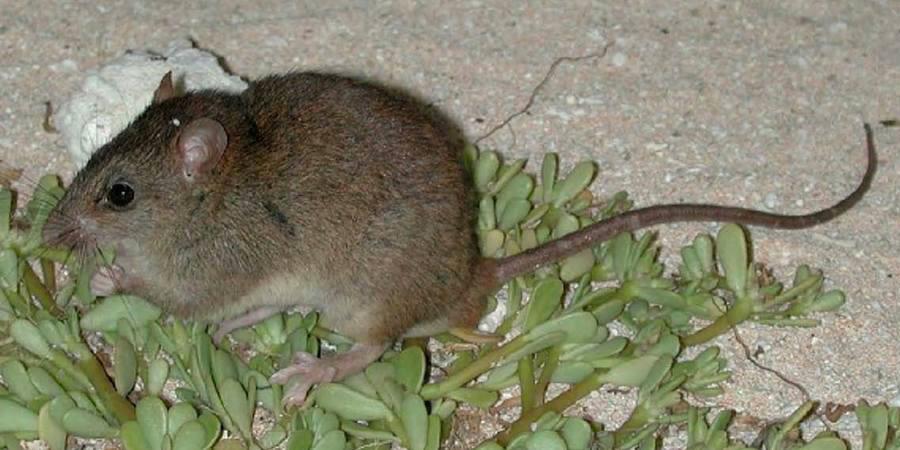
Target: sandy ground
[[756, 104]]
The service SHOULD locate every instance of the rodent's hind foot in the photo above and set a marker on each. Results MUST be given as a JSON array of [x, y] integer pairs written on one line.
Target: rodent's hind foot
[[306, 370]]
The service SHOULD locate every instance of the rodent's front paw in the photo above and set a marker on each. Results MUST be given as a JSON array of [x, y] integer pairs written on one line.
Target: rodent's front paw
[[107, 280]]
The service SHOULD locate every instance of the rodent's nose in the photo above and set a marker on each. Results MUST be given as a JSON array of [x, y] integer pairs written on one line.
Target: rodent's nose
[[58, 230]]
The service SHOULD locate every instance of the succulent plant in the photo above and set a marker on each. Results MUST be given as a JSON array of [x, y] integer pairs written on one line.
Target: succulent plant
[[167, 386]]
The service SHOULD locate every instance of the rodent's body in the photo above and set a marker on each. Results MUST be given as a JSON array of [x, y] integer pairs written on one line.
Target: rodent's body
[[363, 213], [319, 191]]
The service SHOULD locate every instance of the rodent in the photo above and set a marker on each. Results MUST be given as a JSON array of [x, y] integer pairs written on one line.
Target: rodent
[[316, 190]]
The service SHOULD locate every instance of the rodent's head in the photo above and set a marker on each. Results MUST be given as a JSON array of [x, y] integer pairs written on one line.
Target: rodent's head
[[135, 185]]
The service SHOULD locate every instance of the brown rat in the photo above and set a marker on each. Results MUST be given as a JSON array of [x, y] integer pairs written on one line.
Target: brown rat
[[314, 190]]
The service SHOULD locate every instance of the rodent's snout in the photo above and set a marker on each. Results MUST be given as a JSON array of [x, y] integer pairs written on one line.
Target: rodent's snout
[[53, 228], [64, 230]]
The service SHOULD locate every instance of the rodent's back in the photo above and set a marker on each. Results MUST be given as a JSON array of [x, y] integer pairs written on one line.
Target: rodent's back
[[368, 189]]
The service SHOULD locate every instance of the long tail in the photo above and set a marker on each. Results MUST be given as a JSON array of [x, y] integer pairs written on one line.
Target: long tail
[[528, 261]]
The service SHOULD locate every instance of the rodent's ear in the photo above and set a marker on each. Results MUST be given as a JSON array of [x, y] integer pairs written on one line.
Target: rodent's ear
[[165, 90], [200, 147]]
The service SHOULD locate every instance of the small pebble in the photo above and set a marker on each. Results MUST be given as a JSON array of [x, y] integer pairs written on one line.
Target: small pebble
[[619, 59], [838, 27], [771, 200], [894, 402]]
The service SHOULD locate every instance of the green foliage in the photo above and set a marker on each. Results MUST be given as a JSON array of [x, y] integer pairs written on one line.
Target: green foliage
[[171, 388]]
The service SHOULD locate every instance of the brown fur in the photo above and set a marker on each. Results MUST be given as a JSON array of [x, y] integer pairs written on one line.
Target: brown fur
[[331, 194]]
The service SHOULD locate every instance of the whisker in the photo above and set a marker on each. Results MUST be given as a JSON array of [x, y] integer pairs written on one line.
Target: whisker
[[101, 262]]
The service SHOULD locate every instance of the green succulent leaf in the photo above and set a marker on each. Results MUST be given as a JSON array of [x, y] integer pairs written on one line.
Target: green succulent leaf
[[133, 436], [333, 440], [414, 417], [382, 377], [190, 436], [577, 433], [5, 211], [9, 269], [234, 398], [17, 380], [49, 430], [578, 327], [481, 398], [152, 416], [575, 266], [223, 367], [105, 315], [490, 445], [16, 418], [29, 337], [546, 299], [513, 214], [518, 187], [548, 175], [632, 372], [731, 245], [83, 423], [577, 180], [212, 426], [44, 382], [350, 404], [157, 374], [409, 368], [492, 242], [485, 170], [572, 372], [545, 440], [829, 443], [356, 430], [125, 366], [829, 301], [178, 415]]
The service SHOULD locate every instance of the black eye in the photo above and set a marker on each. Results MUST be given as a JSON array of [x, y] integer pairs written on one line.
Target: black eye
[[120, 194]]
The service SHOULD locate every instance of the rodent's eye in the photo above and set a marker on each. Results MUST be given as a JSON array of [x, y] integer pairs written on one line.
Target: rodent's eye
[[120, 195]]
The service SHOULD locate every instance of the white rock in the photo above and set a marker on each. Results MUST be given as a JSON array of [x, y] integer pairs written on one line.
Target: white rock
[[113, 95]]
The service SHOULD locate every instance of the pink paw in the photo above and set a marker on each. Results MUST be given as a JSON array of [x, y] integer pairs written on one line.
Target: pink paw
[[107, 280], [219, 336], [305, 371]]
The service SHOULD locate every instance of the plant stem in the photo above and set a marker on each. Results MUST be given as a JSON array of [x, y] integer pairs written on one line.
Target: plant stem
[[794, 291], [513, 305], [121, 409], [638, 419], [19, 304], [550, 366], [54, 254], [396, 426], [739, 312], [526, 383], [49, 272], [37, 289], [473, 370], [558, 404], [61, 361]]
